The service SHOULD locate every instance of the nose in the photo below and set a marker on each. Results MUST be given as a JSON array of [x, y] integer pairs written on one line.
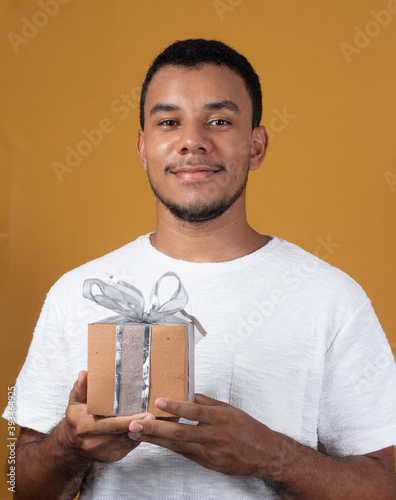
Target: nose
[[194, 138]]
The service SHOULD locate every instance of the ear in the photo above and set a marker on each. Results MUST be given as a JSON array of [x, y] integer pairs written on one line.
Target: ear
[[259, 147], [141, 149]]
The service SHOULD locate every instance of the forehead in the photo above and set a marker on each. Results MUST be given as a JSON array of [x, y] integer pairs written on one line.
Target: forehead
[[197, 86]]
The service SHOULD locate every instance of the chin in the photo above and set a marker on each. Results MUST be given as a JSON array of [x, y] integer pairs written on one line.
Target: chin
[[199, 213]]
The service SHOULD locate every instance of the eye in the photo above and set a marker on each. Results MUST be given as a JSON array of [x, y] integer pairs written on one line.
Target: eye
[[168, 123], [220, 122]]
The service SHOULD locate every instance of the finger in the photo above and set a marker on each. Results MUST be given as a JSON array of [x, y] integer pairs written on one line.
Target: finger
[[197, 412], [186, 448], [78, 394], [201, 399], [147, 430], [190, 411], [119, 425]]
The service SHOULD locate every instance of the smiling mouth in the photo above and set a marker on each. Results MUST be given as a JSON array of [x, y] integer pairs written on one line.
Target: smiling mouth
[[194, 175], [194, 172]]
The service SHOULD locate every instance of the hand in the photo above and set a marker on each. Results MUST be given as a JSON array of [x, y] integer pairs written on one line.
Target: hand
[[225, 439], [96, 438]]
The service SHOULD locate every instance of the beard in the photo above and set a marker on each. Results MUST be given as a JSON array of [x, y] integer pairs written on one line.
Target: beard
[[203, 211]]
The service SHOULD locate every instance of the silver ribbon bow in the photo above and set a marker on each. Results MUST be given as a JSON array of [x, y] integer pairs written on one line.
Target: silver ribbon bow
[[128, 302]]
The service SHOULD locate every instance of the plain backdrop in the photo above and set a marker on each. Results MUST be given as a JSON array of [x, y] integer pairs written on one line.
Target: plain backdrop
[[72, 188]]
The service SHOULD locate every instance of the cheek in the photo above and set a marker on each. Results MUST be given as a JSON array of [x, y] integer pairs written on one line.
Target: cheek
[[157, 150], [243, 150], [238, 152], [238, 164], [159, 155]]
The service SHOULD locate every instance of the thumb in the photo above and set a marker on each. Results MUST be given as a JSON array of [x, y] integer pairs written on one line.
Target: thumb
[[79, 392]]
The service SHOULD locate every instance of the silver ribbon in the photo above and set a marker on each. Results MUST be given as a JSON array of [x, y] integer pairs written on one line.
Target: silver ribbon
[[146, 368], [128, 302], [117, 369]]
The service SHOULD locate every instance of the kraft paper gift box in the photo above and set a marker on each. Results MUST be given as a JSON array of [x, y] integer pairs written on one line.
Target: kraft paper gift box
[[132, 363], [113, 391]]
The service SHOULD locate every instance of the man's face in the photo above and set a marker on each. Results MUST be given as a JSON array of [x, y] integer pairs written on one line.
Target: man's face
[[197, 145]]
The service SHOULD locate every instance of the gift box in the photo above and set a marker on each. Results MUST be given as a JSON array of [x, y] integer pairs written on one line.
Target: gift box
[[124, 389], [138, 356]]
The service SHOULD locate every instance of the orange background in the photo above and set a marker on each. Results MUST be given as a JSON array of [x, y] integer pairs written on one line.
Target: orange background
[[330, 172]]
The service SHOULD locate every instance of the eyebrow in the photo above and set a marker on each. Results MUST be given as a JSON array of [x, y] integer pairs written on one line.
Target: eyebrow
[[161, 106], [225, 104]]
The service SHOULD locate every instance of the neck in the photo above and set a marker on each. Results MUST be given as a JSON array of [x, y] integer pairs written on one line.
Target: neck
[[227, 237]]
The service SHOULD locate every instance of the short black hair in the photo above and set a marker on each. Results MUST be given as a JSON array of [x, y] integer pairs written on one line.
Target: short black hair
[[195, 51]]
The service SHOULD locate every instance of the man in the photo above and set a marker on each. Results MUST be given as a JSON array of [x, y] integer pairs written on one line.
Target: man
[[289, 338]]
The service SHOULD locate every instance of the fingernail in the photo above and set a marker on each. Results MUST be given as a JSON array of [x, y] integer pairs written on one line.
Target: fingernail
[[134, 435], [135, 427], [161, 404], [151, 417]]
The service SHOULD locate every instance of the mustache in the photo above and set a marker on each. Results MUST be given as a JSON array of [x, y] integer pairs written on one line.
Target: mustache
[[192, 163]]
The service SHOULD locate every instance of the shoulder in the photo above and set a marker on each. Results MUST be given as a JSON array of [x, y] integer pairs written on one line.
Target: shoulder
[[115, 262], [316, 278]]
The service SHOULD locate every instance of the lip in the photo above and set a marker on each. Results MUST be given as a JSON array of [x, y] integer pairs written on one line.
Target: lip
[[194, 173]]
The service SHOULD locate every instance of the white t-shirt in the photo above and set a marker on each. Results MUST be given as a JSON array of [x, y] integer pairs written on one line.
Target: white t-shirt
[[290, 340]]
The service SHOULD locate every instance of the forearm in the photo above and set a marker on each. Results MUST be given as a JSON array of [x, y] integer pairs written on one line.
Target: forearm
[[49, 468], [299, 472]]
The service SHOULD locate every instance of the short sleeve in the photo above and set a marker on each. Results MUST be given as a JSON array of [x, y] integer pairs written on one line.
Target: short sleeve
[[358, 401], [43, 386]]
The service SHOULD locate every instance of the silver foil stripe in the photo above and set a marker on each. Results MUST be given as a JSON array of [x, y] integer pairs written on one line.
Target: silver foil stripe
[[191, 343], [146, 368], [117, 369], [131, 369]]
